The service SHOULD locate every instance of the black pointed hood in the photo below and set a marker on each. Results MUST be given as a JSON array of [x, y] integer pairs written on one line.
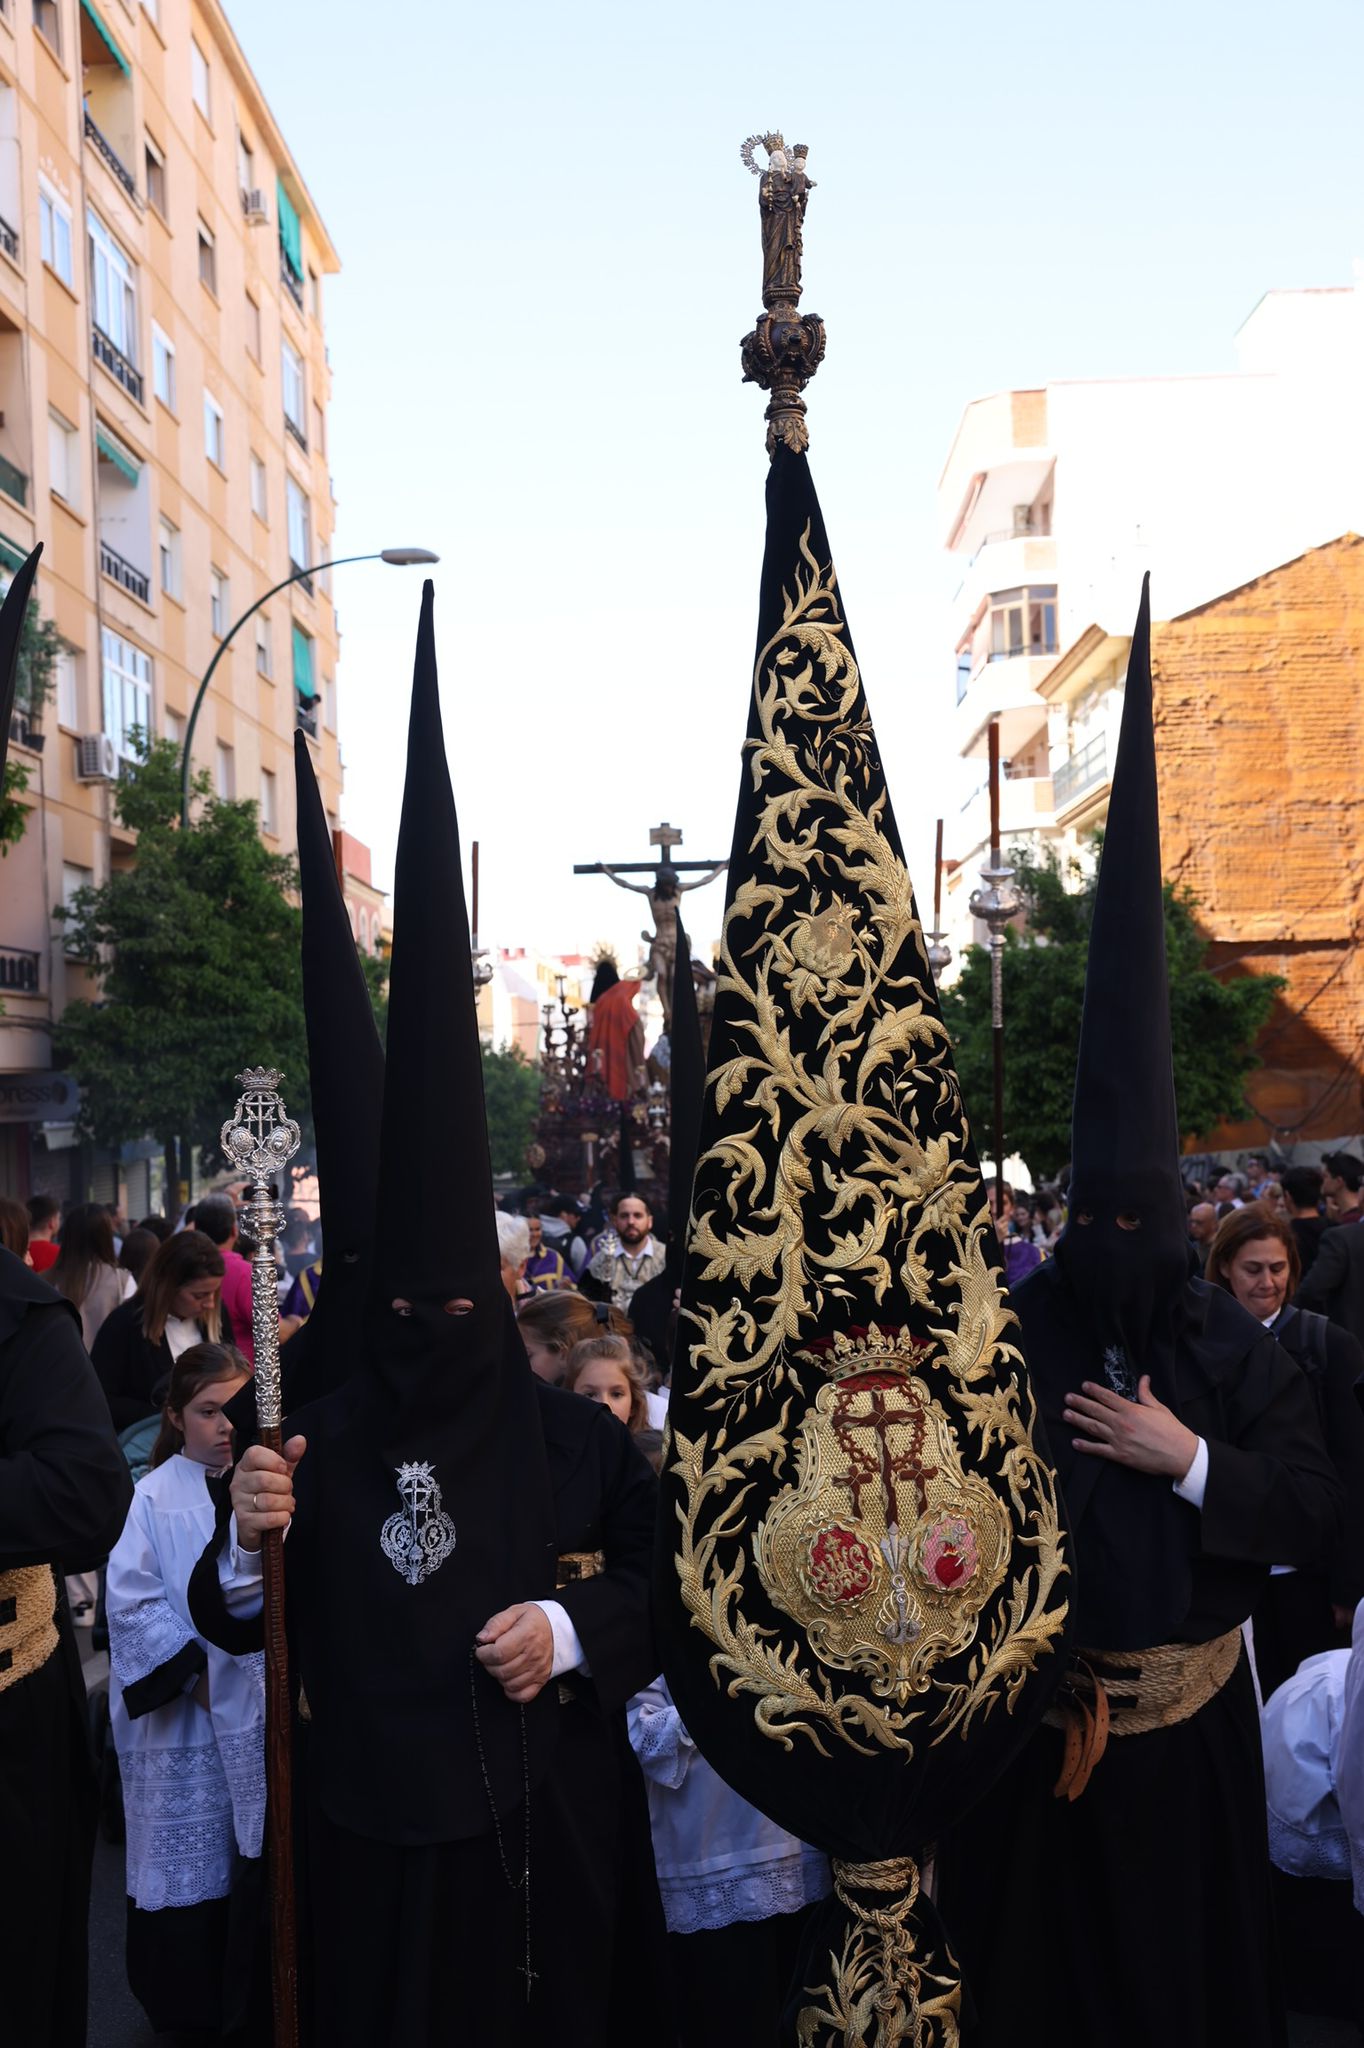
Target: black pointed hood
[[686, 1084], [12, 613], [346, 1075], [1124, 1126], [432, 1490], [435, 1235], [651, 1306]]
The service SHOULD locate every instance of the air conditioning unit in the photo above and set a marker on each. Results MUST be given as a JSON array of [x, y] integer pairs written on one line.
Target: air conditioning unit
[[254, 207], [95, 758]]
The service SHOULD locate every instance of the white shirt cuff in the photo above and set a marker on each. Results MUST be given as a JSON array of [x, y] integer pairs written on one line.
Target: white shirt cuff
[[568, 1651], [1194, 1484], [243, 1564]]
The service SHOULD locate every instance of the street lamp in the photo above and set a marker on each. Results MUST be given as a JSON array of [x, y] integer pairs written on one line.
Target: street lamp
[[400, 558]]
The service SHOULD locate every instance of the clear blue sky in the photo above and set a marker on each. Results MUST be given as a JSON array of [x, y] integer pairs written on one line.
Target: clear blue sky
[[550, 250]]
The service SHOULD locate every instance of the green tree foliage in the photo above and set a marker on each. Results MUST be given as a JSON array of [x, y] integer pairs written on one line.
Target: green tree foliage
[[196, 951], [36, 678], [1214, 1023], [511, 1090]]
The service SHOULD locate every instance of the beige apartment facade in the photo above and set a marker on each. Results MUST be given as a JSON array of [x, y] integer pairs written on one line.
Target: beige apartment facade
[[164, 394]]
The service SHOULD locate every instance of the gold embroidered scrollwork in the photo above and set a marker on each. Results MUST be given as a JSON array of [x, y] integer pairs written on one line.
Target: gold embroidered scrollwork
[[841, 1183], [883, 1990]]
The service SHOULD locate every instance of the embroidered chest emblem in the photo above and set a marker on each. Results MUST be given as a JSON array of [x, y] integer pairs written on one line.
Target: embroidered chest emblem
[[884, 1548], [420, 1536], [1118, 1372]]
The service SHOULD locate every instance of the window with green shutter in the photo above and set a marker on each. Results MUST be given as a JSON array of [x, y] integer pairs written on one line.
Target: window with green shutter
[[303, 665], [290, 233]]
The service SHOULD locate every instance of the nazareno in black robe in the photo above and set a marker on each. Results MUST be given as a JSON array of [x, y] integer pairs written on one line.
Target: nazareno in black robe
[[411, 1943], [1127, 1917], [64, 1493]]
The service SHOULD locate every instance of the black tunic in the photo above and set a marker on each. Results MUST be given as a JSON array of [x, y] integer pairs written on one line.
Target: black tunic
[[1140, 1912], [64, 1492], [1293, 1614], [423, 1942], [131, 1369]]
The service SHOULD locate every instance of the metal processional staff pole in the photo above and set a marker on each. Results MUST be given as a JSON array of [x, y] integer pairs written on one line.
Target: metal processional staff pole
[[260, 1139]]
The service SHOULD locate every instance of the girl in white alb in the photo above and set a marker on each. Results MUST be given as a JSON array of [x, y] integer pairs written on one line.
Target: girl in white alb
[[187, 1718], [735, 1887]]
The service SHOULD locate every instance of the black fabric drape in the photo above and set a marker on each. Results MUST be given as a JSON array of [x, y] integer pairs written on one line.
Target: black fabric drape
[[838, 1281]]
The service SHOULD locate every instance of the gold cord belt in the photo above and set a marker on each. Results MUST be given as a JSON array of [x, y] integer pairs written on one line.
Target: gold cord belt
[[1130, 1692], [575, 1565], [28, 1629]]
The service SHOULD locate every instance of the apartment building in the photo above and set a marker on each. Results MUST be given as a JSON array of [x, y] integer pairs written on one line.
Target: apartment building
[[164, 393], [1259, 709], [1055, 500]]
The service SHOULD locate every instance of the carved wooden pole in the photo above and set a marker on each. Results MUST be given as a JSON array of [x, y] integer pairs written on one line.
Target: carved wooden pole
[[260, 1140]]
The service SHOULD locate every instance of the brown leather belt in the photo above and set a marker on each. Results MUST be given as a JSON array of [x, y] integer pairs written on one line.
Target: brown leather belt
[[28, 1627], [1130, 1692]]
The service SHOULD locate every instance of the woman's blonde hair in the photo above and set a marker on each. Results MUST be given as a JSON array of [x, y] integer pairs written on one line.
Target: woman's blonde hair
[[179, 1262], [617, 1351]]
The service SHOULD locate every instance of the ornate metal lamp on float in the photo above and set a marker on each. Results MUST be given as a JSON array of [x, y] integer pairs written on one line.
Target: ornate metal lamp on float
[[996, 905], [260, 1139]]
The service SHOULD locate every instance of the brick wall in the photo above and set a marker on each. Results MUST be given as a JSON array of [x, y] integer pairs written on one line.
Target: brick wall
[[1259, 703]]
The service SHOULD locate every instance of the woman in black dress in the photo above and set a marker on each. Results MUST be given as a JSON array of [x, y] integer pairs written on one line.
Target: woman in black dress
[[177, 1305], [1308, 1609]]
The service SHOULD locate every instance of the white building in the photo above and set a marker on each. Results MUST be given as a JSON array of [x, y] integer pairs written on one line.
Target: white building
[[1055, 501]]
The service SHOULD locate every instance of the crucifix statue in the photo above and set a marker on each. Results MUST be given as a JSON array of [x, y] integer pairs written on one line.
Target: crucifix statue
[[663, 892]]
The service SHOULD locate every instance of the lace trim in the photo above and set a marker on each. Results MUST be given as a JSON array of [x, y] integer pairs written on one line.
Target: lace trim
[[243, 1760], [143, 1637], [178, 1804], [1304, 1855], [662, 1742], [699, 1905]]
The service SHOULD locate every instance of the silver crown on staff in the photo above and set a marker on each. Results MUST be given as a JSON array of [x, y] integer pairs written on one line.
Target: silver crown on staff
[[259, 1137]]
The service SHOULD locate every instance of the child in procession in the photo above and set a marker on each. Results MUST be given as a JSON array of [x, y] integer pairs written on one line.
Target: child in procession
[[188, 1722]]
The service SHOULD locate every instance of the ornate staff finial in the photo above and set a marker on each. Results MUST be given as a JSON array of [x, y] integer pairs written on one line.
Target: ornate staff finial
[[786, 347], [260, 1139]]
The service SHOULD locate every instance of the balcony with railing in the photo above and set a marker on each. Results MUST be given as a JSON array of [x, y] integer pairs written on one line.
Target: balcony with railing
[[105, 149], [291, 426], [292, 284], [306, 716], [9, 240], [1082, 772], [13, 482], [128, 578], [116, 363], [302, 580]]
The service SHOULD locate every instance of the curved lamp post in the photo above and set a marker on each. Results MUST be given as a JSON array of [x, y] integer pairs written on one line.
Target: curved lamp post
[[402, 558]]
